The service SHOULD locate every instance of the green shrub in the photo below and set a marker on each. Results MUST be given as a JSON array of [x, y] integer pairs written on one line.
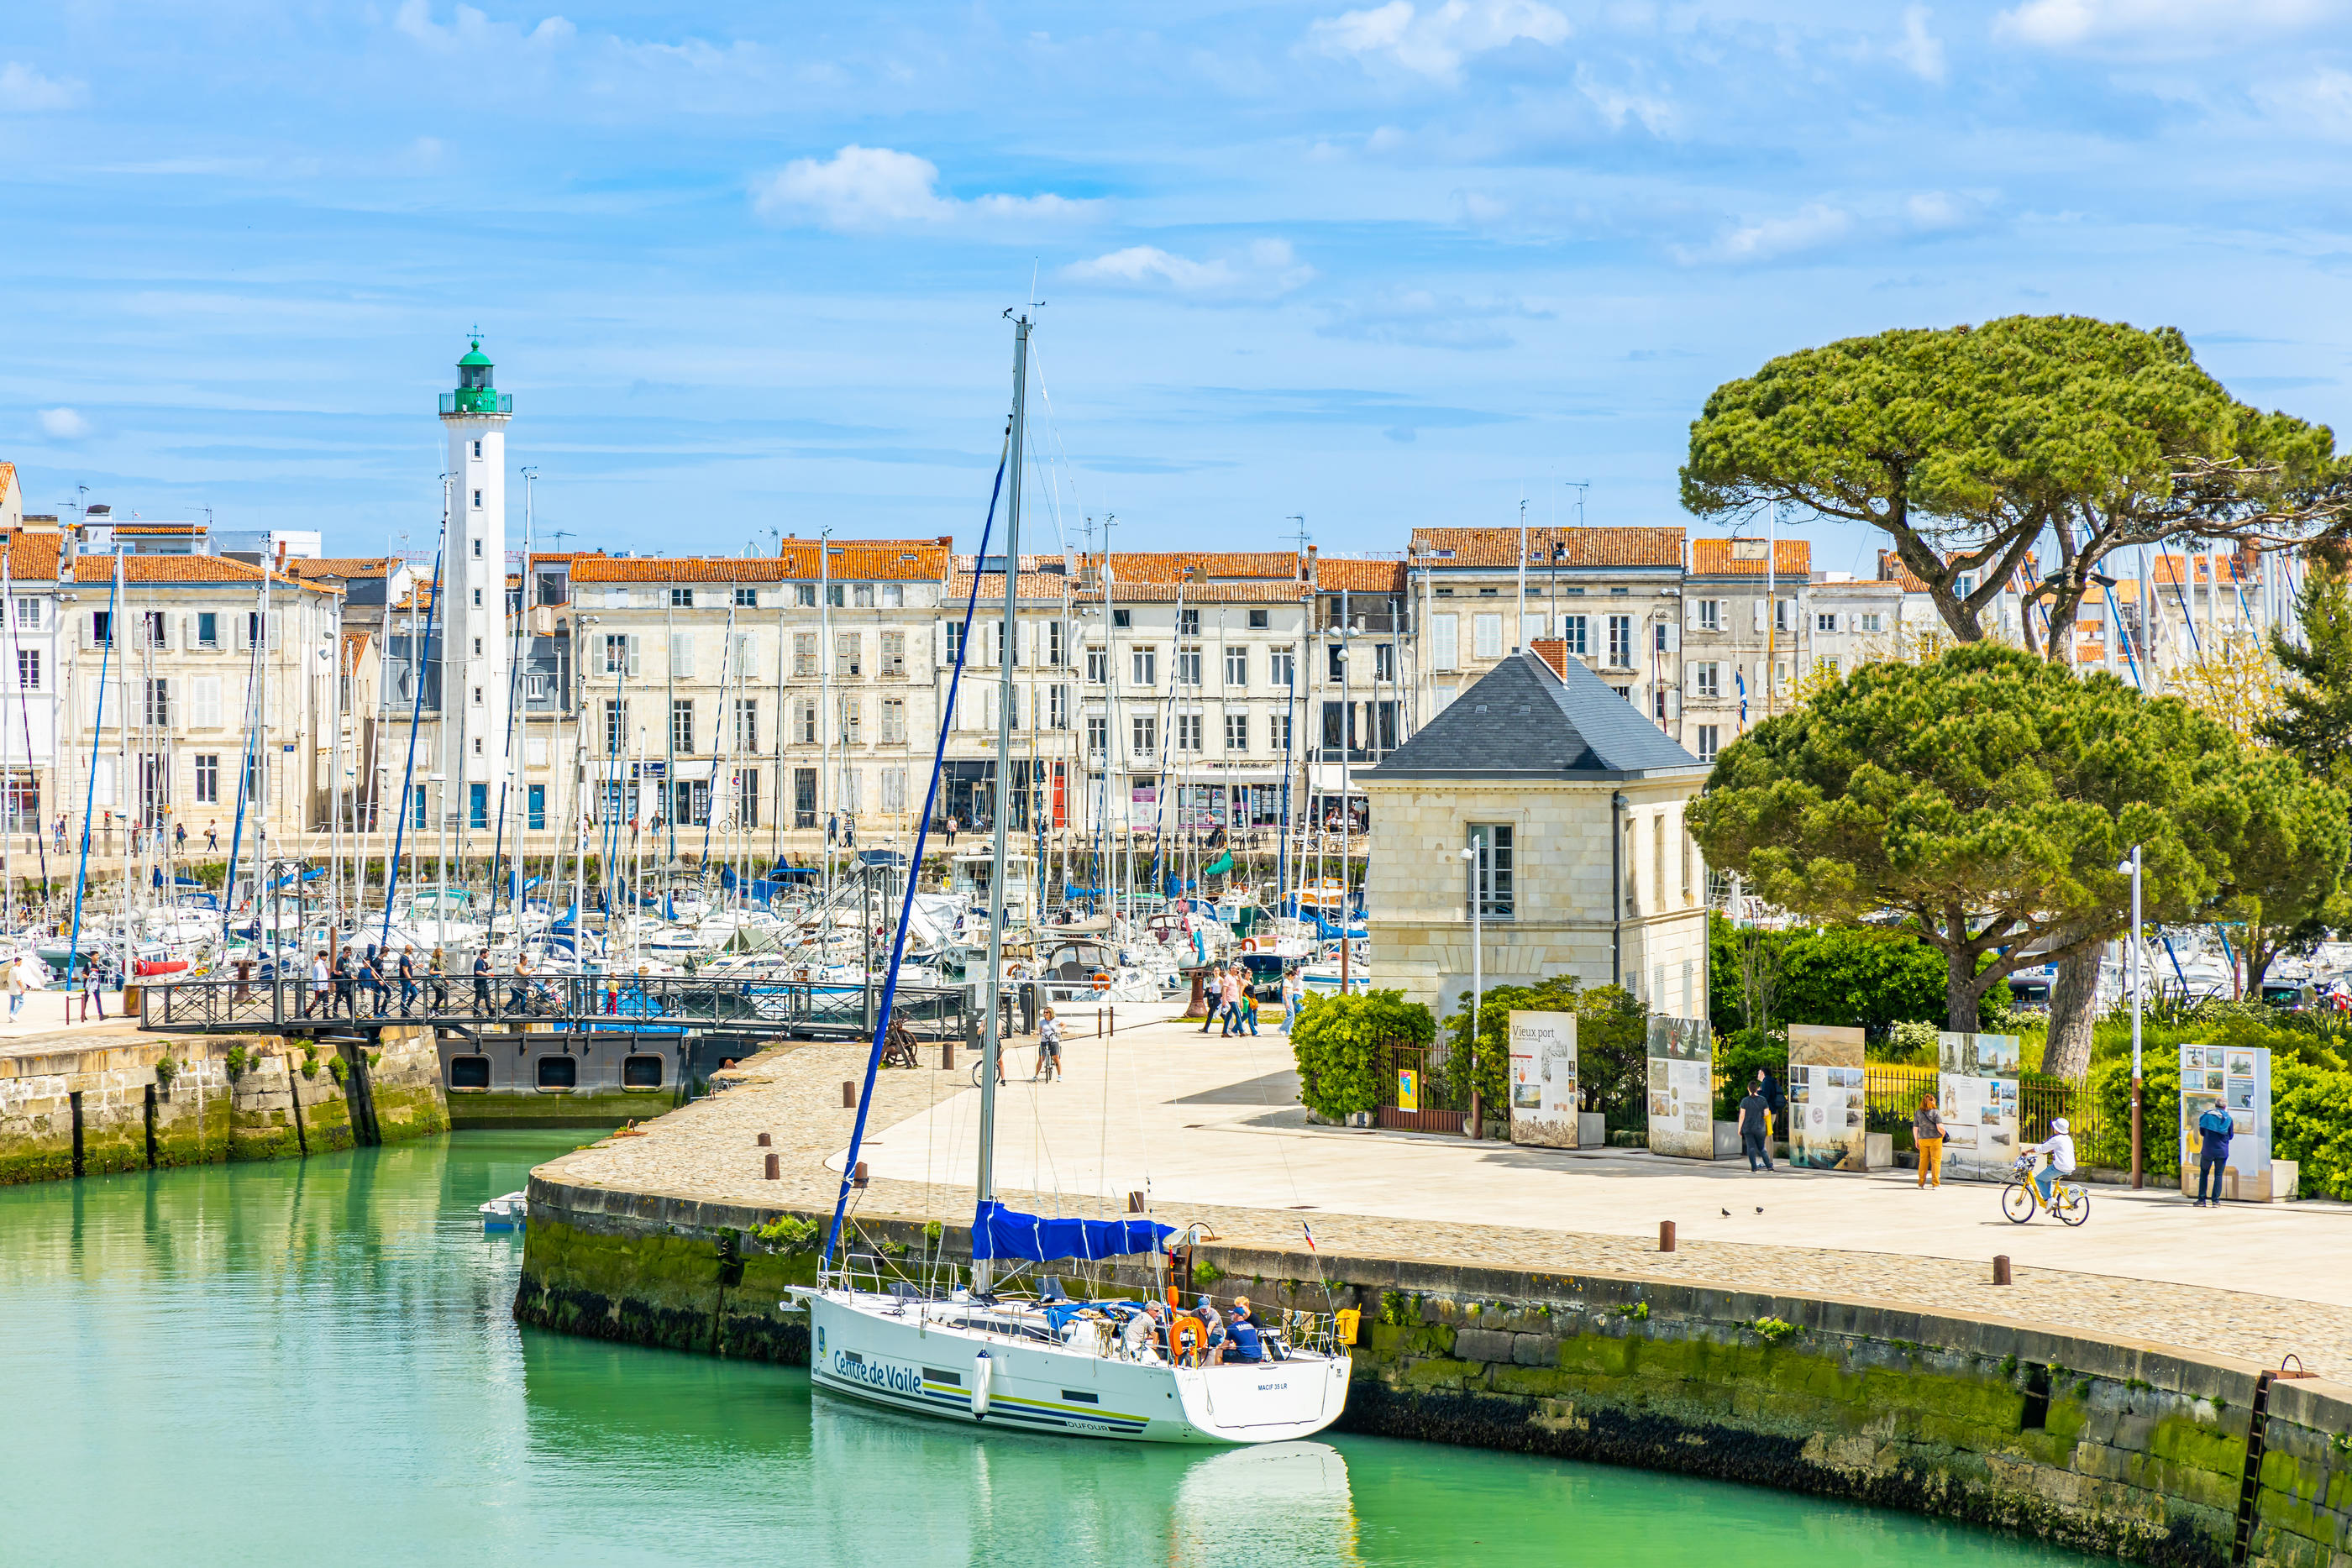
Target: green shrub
[[790, 1235], [238, 1060], [335, 1065], [1612, 1046], [1341, 1045], [309, 1062], [1737, 1059], [165, 1071], [1869, 976]]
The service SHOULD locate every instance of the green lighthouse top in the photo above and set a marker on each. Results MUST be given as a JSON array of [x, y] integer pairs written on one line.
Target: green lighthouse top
[[474, 394]]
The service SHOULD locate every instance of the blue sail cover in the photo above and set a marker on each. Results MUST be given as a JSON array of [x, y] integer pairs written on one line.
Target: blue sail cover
[[998, 1232]]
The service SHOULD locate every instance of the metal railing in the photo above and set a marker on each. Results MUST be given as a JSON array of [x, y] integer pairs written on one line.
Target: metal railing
[[2101, 1140], [631, 1003]]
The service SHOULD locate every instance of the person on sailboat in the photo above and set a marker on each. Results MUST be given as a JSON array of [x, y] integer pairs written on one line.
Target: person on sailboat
[[1242, 1335]]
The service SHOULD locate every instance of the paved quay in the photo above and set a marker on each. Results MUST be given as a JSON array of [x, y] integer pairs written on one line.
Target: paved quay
[[1214, 1123]]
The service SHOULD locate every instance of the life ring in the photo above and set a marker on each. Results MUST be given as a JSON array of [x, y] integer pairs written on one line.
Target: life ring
[[1187, 1338], [1249, 944], [1102, 982]]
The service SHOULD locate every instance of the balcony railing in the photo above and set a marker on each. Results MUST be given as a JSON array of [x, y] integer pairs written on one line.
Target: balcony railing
[[477, 402]]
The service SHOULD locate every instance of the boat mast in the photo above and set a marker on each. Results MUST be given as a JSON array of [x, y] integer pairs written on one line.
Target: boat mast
[[982, 1268]]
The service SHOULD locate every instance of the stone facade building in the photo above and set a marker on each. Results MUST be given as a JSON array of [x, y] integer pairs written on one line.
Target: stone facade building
[[1573, 802]]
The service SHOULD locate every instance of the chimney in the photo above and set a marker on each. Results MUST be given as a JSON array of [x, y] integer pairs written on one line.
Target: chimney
[[281, 555], [1553, 652], [1307, 571]]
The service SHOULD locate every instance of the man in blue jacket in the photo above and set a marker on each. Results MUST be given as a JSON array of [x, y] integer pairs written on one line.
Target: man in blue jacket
[[2213, 1126]]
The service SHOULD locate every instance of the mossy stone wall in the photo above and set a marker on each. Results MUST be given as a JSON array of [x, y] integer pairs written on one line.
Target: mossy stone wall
[[2125, 1448]]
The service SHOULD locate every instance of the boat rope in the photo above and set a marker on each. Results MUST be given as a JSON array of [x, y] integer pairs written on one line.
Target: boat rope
[[408, 775], [922, 834]]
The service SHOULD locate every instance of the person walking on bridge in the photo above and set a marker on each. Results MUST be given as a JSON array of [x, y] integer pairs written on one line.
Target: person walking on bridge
[[482, 1007]]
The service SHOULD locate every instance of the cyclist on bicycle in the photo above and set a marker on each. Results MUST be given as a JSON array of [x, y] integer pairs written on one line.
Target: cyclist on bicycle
[[2060, 1148]]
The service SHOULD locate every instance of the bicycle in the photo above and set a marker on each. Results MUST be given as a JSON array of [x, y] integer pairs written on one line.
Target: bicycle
[[2070, 1203]]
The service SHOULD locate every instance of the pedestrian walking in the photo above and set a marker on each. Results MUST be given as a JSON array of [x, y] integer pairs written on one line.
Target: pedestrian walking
[[1294, 996], [482, 1007], [951, 831], [346, 999], [438, 969], [371, 977], [519, 994], [180, 838], [1248, 1011], [1756, 1128], [1777, 1102], [407, 979], [93, 989], [2214, 1128], [211, 836], [1232, 1012], [18, 987], [1927, 1132], [319, 981]]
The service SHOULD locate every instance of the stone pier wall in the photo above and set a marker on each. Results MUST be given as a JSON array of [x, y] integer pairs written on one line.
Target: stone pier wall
[[2125, 1448], [155, 1100]]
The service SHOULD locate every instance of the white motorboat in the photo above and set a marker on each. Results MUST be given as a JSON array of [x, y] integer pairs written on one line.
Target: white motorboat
[[982, 1353]]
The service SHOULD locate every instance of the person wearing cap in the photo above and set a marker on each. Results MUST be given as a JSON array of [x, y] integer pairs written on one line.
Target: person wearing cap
[[1241, 1333], [2060, 1148]]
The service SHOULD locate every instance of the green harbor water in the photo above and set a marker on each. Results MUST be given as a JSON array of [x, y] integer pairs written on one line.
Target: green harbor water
[[312, 1363]]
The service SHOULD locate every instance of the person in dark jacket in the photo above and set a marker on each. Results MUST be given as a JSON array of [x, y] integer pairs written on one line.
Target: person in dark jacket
[[2214, 1127], [1756, 1129], [482, 1008], [1774, 1102]]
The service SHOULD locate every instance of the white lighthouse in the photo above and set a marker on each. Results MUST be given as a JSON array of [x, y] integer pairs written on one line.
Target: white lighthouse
[[474, 675]]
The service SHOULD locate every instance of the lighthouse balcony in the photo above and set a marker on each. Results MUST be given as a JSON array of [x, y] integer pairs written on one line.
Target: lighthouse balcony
[[473, 402]]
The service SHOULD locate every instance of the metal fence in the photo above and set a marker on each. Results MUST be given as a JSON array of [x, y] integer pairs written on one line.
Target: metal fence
[[636, 1004], [1429, 1113], [2101, 1140]]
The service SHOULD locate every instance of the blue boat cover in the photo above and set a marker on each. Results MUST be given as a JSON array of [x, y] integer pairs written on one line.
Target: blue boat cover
[[998, 1232]]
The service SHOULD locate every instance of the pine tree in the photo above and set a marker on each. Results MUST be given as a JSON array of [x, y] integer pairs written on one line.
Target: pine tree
[[2315, 720]]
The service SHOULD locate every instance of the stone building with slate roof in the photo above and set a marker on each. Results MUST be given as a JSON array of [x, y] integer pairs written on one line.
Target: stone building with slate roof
[[1574, 799]]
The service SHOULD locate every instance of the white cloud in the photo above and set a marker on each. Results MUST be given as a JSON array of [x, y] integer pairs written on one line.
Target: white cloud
[[2320, 102], [1813, 226], [2158, 24], [469, 28], [1268, 267], [1434, 43], [1617, 105], [1935, 210], [24, 90], [862, 189], [63, 425], [1919, 50]]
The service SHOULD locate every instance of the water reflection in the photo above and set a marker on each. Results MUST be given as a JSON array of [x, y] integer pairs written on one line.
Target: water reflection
[[284, 1365]]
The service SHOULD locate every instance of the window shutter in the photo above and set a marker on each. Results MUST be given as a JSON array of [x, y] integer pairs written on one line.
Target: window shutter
[[636, 647], [1674, 637], [1690, 612], [1446, 630], [939, 644], [681, 653]]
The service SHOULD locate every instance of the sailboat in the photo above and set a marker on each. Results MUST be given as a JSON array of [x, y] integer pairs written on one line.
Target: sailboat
[[991, 1354]]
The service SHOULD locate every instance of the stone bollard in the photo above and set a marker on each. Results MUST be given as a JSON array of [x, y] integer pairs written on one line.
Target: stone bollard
[[1135, 1203], [775, 1168], [762, 1141], [946, 1055], [1665, 1236], [857, 1176], [848, 1095], [2000, 1269]]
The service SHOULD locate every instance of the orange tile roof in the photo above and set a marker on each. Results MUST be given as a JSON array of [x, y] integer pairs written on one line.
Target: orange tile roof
[[1892, 570], [1714, 557], [874, 561], [342, 566], [173, 529], [1049, 585], [1333, 574], [8, 479], [32, 556], [166, 571], [1204, 594], [1580, 547], [2167, 570], [1171, 566]]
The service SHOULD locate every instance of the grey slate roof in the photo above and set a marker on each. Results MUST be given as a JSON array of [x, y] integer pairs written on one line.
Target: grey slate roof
[[1523, 719]]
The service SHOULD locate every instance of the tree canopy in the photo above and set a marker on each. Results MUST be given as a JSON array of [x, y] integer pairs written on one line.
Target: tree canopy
[[2313, 721], [1967, 445], [1990, 797]]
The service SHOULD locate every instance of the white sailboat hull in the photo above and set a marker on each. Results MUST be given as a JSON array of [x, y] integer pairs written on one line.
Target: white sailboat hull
[[901, 1355]]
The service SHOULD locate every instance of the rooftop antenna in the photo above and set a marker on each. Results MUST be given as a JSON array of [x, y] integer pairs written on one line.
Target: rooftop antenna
[[1579, 487], [1519, 611], [559, 535]]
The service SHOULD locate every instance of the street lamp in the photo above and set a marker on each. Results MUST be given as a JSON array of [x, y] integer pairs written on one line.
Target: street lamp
[[2131, 868], [1477, 972]]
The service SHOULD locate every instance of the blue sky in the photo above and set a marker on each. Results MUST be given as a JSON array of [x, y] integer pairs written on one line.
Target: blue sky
[[1379, 265]]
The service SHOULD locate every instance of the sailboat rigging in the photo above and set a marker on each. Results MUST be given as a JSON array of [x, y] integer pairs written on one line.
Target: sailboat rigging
[[1101, 1368]]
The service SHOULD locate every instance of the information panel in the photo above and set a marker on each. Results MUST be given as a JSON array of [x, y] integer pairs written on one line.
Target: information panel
[[1828, 1097], [1977, 1092], [1543, 1078], [1682, 1088], [2238, 1078]]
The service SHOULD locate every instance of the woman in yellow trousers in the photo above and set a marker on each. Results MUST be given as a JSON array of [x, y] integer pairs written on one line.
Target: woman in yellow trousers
[[1927, 1132]]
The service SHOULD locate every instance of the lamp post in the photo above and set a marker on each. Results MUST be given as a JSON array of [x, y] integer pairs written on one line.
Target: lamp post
[[2132, 867], [1477, 973]]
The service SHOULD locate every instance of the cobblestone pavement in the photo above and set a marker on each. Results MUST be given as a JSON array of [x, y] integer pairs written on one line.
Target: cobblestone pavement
[[709, 1152]]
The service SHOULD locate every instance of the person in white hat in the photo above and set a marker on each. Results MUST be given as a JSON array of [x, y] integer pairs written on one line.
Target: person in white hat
[[2060, 1147]]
